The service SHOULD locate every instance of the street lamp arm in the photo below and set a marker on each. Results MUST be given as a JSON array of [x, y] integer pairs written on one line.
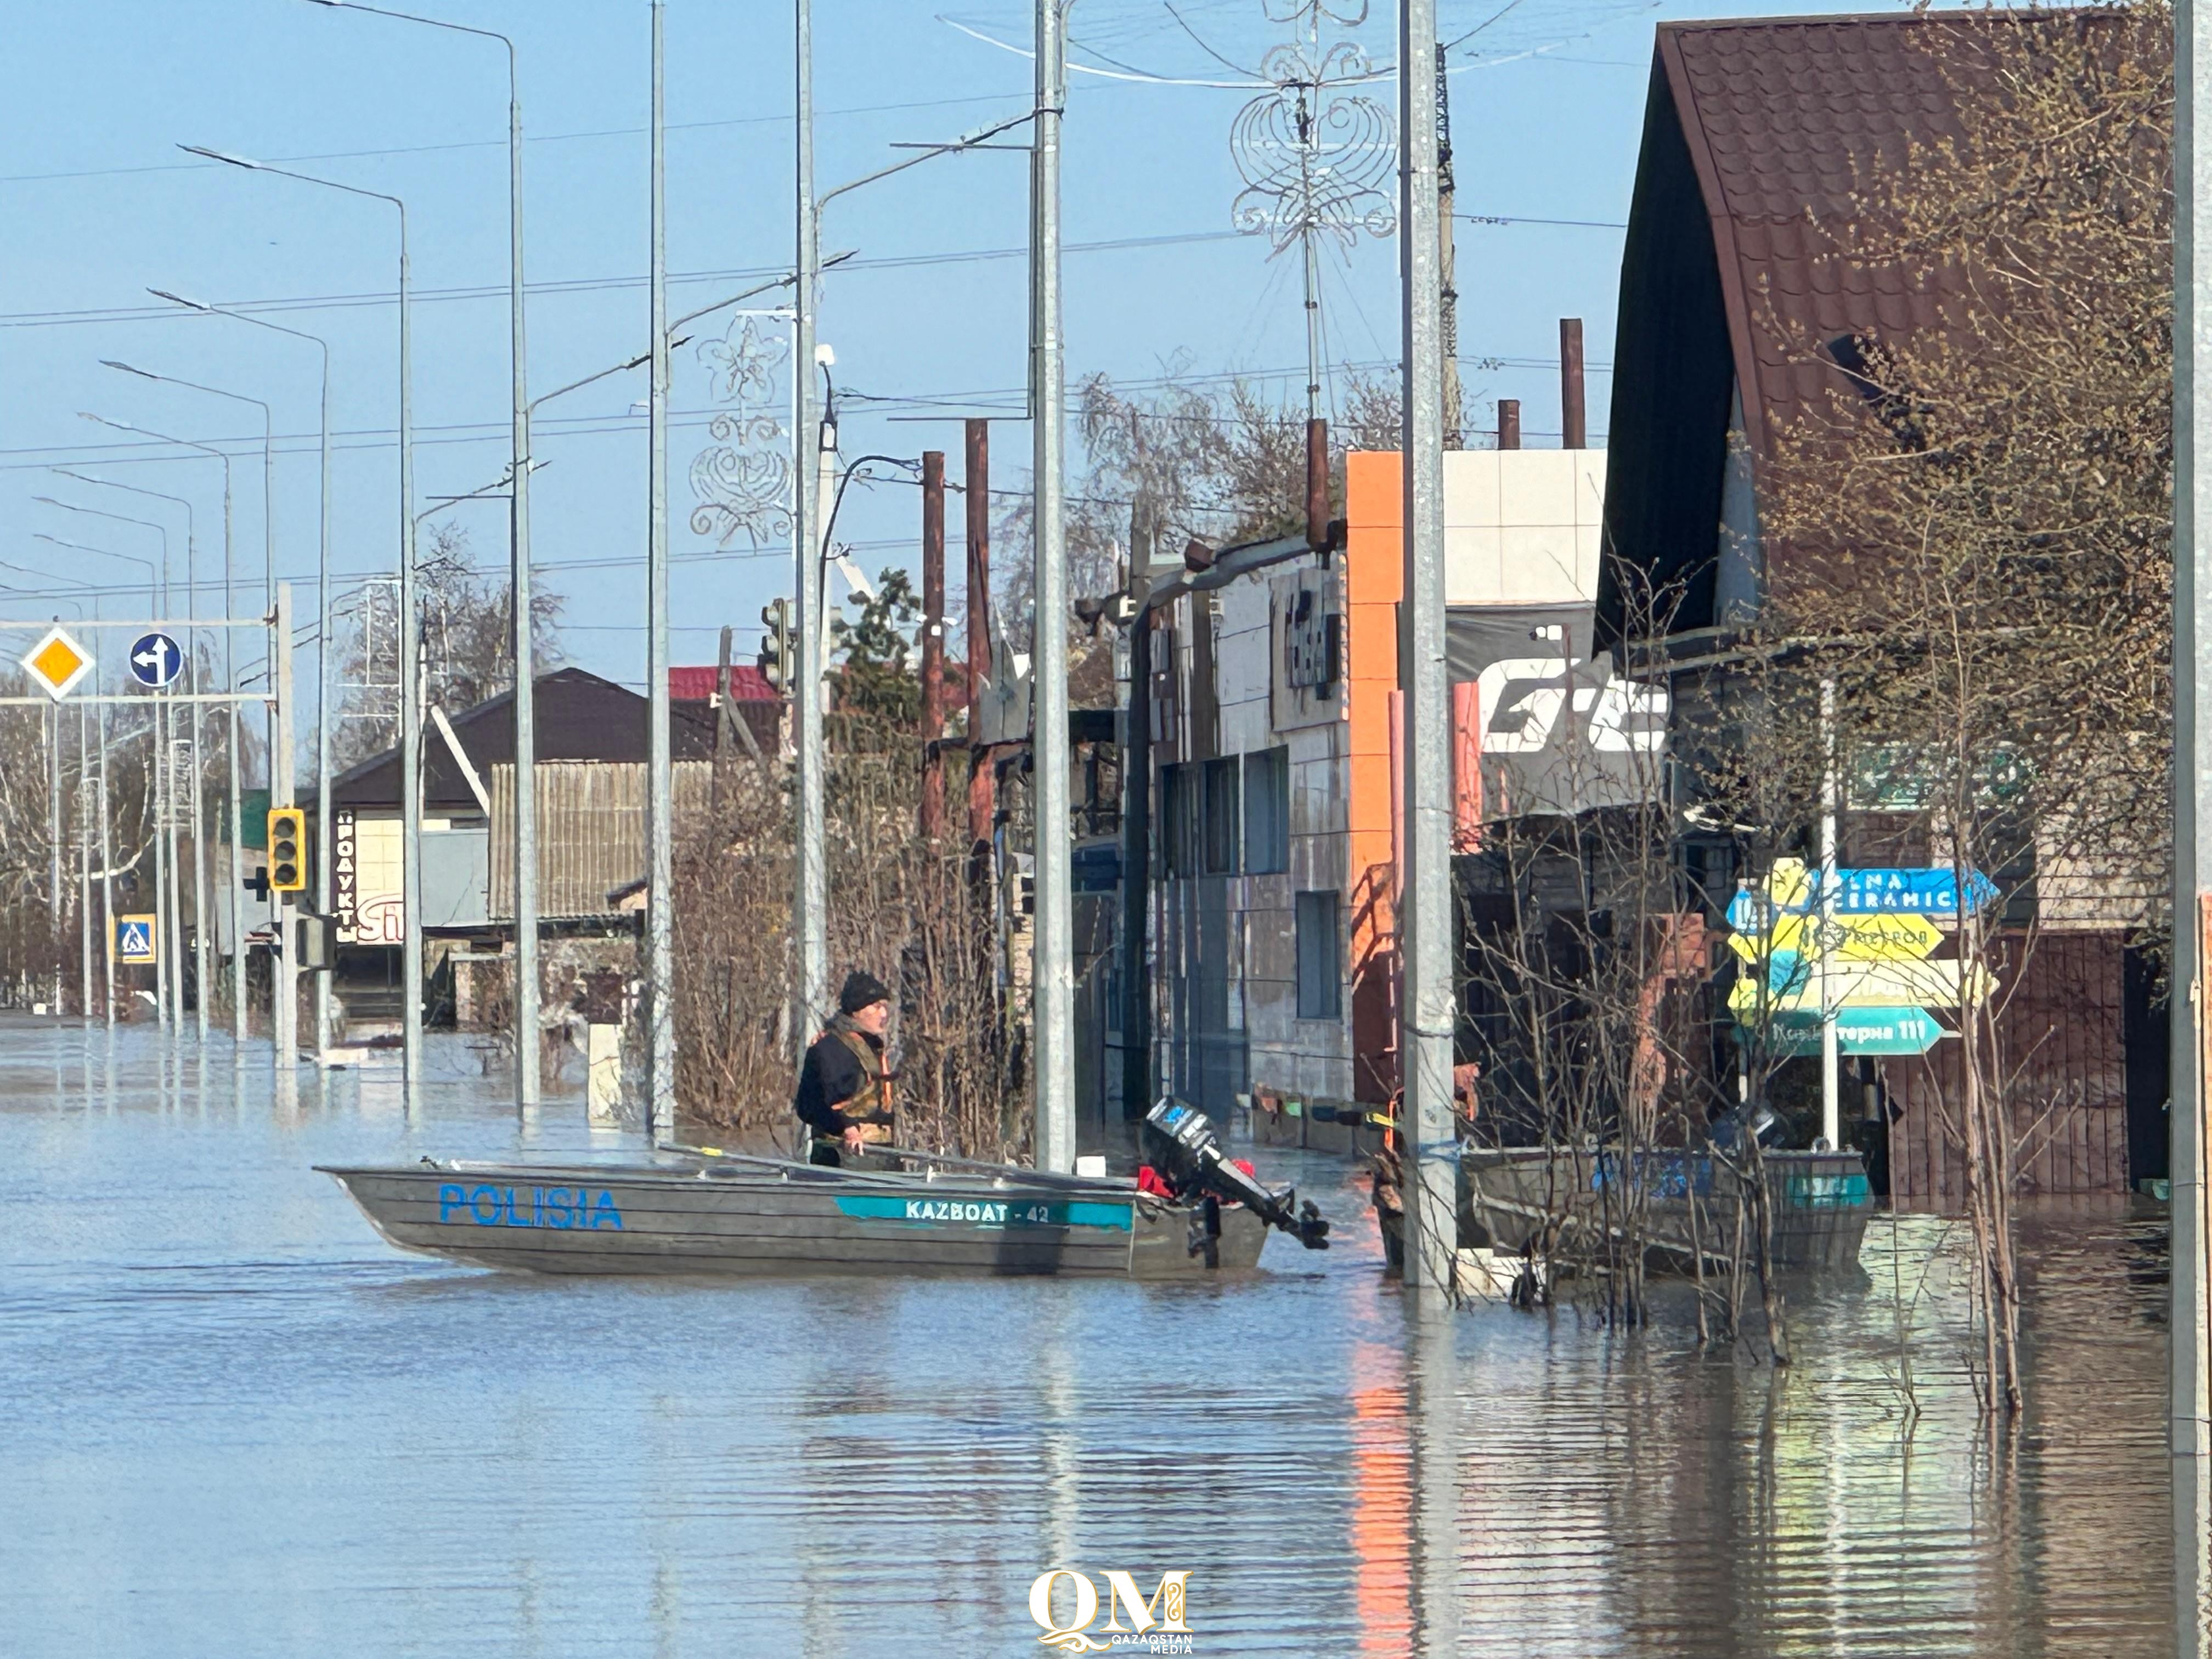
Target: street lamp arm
[[206, 309], [252, 166], [638, 361], [829, 263], [972, 140], [222, 455], [428, 23]]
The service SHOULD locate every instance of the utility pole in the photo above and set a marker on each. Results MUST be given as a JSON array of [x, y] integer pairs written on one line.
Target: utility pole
[[284, 976], [659, 920], [1427, 921], [1052, 974], [982, 805], [932, 643], [527, 1053], [808, 521], [2190, 1440]]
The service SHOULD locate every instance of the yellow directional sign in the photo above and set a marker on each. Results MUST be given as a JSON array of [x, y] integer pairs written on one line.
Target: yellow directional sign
[[56, 663], [1877, 938], [1798, 985]]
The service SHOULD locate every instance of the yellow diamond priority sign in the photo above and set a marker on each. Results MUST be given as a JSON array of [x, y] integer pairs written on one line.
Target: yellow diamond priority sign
[[58, 663]]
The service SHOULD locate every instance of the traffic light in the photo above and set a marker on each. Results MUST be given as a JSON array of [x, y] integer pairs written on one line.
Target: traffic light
[[288, 850], [776, 667]]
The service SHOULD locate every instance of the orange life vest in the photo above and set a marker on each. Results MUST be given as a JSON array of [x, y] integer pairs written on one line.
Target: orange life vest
[[872, 1104]]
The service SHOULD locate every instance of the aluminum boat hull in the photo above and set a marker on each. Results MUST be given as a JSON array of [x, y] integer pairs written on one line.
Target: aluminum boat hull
[[779, 1221]]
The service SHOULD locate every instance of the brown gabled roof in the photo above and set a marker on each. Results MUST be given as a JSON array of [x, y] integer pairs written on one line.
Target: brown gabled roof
[[1761, 138], [1784, 119]]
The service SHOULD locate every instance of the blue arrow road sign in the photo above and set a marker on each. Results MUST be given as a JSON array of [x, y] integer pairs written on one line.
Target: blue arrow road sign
[[1932, 893], [1858, 1031], [155, 659]]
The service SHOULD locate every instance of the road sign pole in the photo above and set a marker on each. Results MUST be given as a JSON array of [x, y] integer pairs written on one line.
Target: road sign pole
[[84, 857], [54, 844], [284, 978], [1830, 1121], [106, 871], [162, 860]]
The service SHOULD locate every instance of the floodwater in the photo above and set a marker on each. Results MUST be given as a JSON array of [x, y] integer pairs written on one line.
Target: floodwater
[[233, 1422]]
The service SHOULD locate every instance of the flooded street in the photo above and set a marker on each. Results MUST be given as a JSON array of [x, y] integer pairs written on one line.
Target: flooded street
[[238, 1423]]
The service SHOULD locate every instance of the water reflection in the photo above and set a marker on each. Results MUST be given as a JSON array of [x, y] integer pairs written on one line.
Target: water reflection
[[238, 1423]]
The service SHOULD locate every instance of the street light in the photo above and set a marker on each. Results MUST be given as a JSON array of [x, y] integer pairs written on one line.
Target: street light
[[283, 996], [810, 440], [526, 1038], [323, 873], [230, 684], [411, 751]]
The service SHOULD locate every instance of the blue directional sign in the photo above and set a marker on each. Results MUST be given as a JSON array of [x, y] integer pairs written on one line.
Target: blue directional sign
[[155, 659], [1933, 893], [1858, 1031]]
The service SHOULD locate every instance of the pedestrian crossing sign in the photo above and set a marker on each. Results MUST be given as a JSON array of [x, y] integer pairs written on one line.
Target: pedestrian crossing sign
[[135, 939]]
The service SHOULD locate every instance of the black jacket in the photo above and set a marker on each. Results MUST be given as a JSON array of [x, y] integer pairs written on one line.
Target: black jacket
[[830, 1078]]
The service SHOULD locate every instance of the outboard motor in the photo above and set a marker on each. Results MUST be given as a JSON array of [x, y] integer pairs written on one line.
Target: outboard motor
[[1188, 1154]]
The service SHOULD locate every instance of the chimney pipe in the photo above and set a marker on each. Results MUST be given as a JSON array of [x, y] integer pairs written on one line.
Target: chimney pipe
[[1317, 483], [1509, 423], [1574, 432]]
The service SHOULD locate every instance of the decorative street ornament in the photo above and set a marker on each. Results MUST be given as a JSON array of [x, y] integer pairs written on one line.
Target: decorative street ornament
[[744, 481], [58, 663], [1315, 159]]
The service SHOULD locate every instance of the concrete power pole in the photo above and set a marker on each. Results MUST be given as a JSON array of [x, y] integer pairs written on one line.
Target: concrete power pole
[[2190, 1434], [660, 914], [811, 900], [1052, 986], [1428, 924]]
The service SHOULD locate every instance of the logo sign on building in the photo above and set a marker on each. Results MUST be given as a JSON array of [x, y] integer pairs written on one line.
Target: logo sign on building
[[137, 940], [155, 659], [58, 663], [1066, 1605], [1561, 732], [367, 885], [1307, 609]]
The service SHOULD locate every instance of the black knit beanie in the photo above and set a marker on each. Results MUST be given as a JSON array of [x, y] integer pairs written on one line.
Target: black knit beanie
[[861, 989]]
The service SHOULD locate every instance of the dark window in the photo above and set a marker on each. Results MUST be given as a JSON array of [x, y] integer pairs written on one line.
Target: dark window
[[1268, 812], [1320, 985], [1177, 809], [1220, 817]]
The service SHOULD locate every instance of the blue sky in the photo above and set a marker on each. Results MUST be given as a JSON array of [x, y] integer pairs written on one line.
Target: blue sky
[[99, 205]]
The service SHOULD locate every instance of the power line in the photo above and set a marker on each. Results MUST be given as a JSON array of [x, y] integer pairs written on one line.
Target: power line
[[500, 144], [610, 284]]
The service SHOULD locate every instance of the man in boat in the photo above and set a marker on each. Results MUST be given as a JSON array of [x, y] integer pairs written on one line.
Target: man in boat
[[844, 1094]]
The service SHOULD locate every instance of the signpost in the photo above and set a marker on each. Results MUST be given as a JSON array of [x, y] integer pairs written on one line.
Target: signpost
[[57, 662], [1855, 959], [137, 940], [155, 659]]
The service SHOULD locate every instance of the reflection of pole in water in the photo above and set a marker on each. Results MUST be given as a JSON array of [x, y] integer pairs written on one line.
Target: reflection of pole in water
[[1430, 1400], [1057, 1458]]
